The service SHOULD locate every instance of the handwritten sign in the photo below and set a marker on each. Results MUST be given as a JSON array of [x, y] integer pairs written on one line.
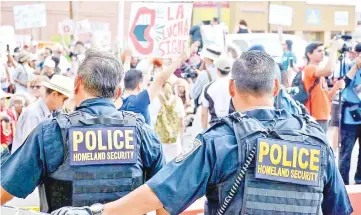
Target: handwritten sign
[[290, 162], [159, 29], [30, 16], [106, 145]]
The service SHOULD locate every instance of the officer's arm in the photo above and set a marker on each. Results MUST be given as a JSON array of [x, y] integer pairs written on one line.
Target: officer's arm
[[5, 196], [140, 201], [335, 200]]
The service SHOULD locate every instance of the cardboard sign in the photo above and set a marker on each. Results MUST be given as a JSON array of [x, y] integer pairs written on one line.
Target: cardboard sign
[[30, 16], [159, 29], [280, 15], [290, 162], [97, 146]]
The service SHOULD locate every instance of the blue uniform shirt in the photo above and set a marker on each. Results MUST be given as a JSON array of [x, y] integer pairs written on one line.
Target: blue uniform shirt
[[29, 165], [216, 160], [138, 104]]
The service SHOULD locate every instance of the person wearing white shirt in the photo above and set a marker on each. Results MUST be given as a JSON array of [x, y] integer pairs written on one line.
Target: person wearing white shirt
[[215, 97]]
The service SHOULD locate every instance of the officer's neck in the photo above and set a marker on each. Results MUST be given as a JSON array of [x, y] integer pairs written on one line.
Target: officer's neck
[[248, 102], [128, 92]]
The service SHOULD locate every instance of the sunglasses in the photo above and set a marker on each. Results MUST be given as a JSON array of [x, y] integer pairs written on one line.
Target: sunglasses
[[35, 87]]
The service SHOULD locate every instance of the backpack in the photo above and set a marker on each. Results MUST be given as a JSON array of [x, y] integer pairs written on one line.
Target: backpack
[[302, 95], [167, 125]]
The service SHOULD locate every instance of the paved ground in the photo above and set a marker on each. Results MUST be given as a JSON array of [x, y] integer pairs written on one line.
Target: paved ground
[[33, 199]]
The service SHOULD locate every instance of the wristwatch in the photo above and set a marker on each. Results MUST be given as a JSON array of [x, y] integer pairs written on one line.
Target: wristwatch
[[97, 208]]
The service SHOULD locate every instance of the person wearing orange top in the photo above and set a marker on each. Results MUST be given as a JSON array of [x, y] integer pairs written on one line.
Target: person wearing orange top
[[319, 102]]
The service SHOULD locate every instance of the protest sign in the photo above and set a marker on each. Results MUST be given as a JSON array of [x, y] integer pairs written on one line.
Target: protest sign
[[159, 29], [213, 35], [66, 27], [103, 39], [7, 36], [280, 15], [30, 16]]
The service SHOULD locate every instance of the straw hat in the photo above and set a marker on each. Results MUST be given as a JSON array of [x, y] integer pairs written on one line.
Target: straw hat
[[61, 84], [212, 52], [24, 56]]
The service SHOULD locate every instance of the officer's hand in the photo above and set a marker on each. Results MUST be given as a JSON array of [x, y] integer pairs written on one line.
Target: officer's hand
[[73, 211]]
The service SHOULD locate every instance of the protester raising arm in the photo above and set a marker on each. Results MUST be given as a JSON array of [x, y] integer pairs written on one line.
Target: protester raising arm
[[330, 65], [351, 74], [156, 86]]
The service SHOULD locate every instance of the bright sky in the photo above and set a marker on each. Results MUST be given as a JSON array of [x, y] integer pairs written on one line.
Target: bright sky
[[338, 2]]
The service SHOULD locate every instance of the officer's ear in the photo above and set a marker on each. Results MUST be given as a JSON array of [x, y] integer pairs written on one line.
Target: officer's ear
[[276, 87], [118, 93], [77, 83], [232, 88]]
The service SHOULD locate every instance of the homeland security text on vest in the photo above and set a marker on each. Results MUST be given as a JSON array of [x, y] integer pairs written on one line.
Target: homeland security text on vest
[[109, 145], [290, 162]]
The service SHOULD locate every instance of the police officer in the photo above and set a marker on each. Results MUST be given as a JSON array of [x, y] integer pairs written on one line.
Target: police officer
[[95, 154], [256, 161]]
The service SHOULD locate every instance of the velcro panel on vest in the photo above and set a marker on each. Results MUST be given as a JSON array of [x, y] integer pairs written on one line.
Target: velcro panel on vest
[[267, 197]]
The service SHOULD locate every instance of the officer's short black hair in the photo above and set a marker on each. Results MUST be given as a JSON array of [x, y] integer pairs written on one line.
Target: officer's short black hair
[[255, 73], [101, 73], [132, 79]]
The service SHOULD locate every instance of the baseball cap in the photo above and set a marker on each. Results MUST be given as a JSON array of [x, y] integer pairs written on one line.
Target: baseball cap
[[224, 63], [358, 47]]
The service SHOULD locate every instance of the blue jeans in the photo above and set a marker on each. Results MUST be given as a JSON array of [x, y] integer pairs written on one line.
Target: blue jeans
[[349, 134]]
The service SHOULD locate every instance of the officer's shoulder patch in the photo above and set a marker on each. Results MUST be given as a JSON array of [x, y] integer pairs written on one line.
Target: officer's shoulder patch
[[187, 151], [288, 161]]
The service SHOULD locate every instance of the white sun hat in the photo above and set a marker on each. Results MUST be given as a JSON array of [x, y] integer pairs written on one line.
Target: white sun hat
[[212, 52], [61, 84]]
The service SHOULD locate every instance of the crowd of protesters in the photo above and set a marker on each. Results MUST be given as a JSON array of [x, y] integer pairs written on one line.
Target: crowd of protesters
[[187, 94]]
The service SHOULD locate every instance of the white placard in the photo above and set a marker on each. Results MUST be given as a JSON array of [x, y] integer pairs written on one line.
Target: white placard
[[159, 29], [99, 26], [7, 37], [83, 26], [103, 39], [213, 35], [280, 15], [30, 16], [341, 18], [66, 27]]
